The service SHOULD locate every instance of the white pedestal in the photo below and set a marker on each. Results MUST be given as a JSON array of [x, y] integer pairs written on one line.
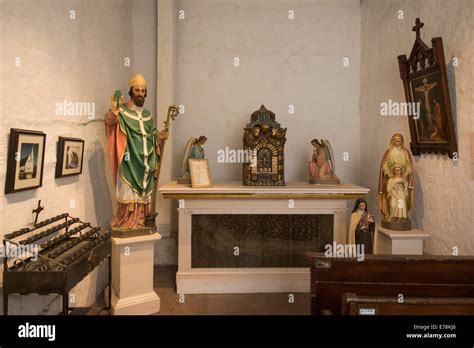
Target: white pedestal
[[393, 242], [234, 198], [132, 276]]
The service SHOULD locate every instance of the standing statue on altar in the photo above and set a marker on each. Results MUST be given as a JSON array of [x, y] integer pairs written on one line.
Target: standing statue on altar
[[396, 185], [135, 150]]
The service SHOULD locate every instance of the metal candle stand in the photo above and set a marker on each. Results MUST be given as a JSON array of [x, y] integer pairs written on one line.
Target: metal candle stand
[[64, 253]]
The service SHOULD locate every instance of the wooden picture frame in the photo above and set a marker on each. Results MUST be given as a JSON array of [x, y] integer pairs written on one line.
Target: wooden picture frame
[[200, 173], [426, 85], [70, 157], [25, 161]]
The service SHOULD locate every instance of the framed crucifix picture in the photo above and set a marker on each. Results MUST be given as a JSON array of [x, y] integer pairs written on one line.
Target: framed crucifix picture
[[426, 88], [25, 160], [69, 157], [200, 173]]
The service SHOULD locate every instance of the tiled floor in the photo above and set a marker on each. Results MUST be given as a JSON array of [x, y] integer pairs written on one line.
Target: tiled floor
[[218, 304], [227, 304]]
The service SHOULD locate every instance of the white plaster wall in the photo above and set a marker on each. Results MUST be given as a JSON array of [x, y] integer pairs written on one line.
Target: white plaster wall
[[78, 60], [145, 40], [444, 190], [282, 62], [144, 46]]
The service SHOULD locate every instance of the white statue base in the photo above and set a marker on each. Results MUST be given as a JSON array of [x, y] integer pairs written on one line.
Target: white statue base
[[394, 242], [132, 275]]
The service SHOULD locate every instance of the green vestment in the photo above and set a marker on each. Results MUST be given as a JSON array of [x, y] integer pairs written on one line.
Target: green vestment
[[140, 158]]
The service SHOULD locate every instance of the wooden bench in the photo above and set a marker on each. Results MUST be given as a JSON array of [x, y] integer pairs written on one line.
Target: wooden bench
[[387, 276], [353, 304]]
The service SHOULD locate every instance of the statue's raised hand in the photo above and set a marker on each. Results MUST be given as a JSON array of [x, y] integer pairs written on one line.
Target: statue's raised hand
[[163, 135], [116, 104]]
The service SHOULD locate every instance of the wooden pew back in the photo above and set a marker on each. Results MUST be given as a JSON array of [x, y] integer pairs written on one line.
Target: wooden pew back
[[387, 276], [353, 304]]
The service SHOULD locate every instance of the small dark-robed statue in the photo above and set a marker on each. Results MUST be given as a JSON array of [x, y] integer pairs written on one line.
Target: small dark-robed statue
[[362, 227]]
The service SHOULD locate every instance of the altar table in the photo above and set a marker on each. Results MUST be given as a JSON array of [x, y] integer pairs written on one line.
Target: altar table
[[251, 236]]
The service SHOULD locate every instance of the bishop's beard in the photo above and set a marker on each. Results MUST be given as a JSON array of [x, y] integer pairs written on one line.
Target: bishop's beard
[[138, 100]]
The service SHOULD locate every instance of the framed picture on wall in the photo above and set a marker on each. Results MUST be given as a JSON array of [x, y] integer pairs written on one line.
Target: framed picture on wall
[[25, 160], [200, 173], [69, 157], [426, 89]]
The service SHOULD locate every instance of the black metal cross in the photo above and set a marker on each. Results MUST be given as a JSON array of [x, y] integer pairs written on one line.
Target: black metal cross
[[37, 211], [417, 27]]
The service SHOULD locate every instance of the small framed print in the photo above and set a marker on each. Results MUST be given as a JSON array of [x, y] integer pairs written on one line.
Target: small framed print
[[25, 160], [200, 174], [69, 157]]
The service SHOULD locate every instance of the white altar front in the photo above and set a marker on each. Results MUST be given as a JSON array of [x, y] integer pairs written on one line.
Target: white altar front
[[234, 198]]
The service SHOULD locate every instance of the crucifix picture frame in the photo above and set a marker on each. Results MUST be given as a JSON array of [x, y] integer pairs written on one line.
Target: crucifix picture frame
[[426, 87]]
